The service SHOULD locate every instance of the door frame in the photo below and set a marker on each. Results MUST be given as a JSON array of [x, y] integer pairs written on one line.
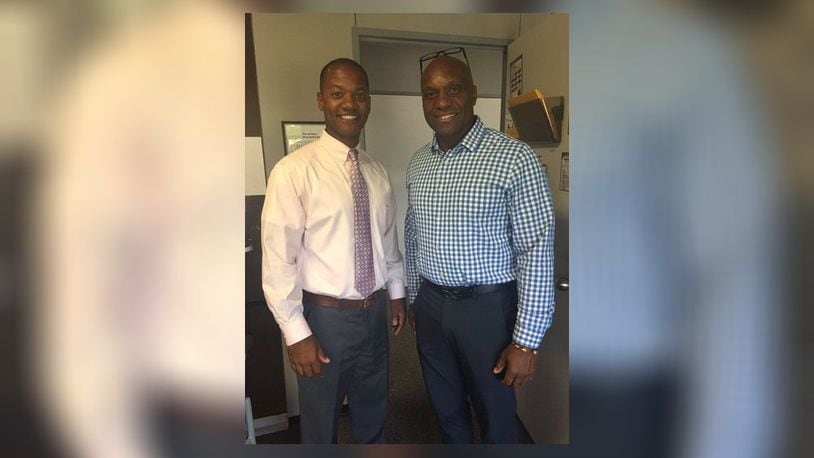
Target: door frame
[[358, 34]]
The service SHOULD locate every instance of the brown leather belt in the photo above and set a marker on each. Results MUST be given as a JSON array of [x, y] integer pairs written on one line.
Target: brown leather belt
[[344, 304]]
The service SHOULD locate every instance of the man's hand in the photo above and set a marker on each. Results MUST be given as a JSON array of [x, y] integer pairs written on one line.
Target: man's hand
[[519, 365], [397, 314], [306, 357]]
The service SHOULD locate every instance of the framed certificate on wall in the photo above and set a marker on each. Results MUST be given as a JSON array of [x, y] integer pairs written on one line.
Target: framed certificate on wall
[[297, 134]]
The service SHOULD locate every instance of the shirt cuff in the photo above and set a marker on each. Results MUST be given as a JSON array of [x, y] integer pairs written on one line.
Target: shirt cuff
[[526, 338], [295, 330], [396, 290]]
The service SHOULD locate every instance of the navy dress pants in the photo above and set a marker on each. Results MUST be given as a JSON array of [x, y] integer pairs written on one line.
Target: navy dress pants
[[459, 341]]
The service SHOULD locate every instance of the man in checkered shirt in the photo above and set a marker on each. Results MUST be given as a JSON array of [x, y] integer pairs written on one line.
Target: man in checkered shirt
[[479, 238]]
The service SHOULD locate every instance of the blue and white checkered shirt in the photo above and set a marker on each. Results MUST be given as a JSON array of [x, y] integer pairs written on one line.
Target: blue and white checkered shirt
[[480, 214]]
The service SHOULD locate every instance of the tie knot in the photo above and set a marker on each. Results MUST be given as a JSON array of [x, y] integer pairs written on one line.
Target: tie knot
[[353, 154]]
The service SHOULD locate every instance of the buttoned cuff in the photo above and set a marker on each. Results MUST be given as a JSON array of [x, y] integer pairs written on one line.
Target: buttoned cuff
[[295, 330], [396, 290]]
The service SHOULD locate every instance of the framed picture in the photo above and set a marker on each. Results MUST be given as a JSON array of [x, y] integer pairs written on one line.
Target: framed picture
[[297, 134], [516, 77], [564, 172]]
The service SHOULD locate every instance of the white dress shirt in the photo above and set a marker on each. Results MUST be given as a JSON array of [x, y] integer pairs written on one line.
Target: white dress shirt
[[307, 231]]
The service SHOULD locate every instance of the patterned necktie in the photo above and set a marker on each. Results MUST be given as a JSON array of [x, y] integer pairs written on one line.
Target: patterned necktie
[[364, 279]]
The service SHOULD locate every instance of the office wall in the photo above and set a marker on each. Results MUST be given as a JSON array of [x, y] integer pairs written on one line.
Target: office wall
[[543, 403], [253, 127], [290, 50], [495, 25], [545, 59]]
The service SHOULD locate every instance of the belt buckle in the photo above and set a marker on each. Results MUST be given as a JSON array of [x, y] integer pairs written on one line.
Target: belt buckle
[[367, 302], [453, 294]]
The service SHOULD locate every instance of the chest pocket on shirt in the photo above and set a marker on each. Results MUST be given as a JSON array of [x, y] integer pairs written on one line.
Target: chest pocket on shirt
[[378, 190], [483, 204]]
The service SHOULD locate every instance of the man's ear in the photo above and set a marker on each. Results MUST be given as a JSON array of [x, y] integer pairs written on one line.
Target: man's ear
[[474, 94], [320, 103]]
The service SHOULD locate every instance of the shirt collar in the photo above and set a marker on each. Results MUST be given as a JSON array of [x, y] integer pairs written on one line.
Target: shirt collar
[[336, 149], [470, 140]]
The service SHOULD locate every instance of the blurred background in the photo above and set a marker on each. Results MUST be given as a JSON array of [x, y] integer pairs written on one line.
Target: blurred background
[[121, 226]]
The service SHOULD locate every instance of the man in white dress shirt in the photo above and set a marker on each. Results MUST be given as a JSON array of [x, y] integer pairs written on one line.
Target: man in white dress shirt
[[329, 248]]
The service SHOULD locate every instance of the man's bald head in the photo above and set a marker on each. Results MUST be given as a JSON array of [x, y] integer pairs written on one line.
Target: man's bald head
[[336, 63], [447, 63]]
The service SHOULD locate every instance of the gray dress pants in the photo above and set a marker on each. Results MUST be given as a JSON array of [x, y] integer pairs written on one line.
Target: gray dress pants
[[357, 343]]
